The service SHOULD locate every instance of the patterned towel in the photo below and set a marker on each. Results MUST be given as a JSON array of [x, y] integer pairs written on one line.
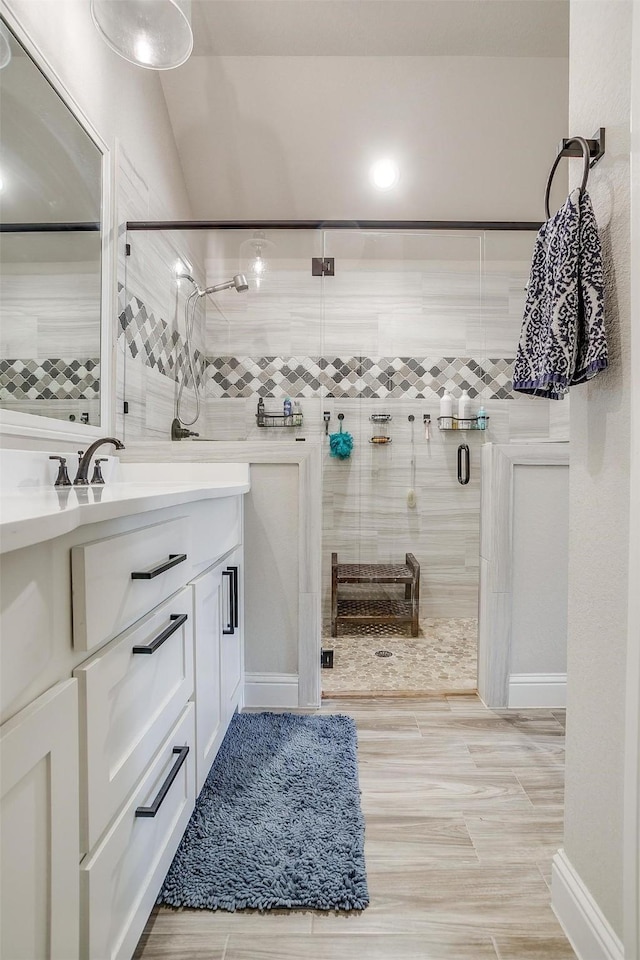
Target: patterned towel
[[563, 340]]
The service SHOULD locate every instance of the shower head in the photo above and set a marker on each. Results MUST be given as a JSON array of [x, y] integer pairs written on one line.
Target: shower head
[[239, 282]]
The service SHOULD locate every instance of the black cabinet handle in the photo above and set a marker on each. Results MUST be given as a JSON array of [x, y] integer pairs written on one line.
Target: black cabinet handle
[[178, 619], [164, 789], [230, 627], [463, 463], [173, 561]]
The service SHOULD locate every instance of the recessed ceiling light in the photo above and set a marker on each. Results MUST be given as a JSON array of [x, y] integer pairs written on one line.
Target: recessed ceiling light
[[385, 174]]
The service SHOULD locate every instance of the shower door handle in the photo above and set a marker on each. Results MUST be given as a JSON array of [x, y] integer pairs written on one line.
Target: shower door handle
[[463, 464]]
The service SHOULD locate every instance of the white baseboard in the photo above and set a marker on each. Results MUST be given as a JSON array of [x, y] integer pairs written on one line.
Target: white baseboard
[[538, 690], [586, 927], [271, 690]]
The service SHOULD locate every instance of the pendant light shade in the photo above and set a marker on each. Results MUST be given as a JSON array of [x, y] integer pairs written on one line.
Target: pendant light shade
[[151, 33]]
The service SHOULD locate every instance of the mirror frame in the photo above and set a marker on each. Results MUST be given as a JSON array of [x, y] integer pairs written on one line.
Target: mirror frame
[[28, 425]]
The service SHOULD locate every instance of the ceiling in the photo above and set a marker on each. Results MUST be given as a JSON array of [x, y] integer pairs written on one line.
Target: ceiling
[[284, 105], [487, 28]]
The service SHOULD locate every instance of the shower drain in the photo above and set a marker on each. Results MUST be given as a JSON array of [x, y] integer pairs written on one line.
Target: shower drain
[[383, 653]]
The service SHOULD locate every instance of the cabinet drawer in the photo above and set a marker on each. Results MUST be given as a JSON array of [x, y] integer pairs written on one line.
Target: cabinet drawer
[[217, 529], [120, 881], [129, 700], [117, 580]]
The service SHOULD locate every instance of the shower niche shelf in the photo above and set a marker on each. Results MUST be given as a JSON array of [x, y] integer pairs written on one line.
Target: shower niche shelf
[[468, 423], [279, 419]]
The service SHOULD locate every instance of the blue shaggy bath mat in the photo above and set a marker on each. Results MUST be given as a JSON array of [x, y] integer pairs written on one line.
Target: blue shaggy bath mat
[[278, 822]]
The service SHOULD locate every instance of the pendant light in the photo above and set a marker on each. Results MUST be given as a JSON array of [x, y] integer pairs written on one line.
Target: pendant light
[[150, 33], [253, 262]]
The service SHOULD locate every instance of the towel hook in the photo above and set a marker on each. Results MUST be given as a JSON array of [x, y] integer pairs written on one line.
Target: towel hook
[[586, 157]]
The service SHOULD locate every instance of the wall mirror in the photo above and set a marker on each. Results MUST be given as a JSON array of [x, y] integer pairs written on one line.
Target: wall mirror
[[52, 265]]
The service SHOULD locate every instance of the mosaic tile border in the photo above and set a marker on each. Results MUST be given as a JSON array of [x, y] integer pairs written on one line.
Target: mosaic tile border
[[50, 378], [360, 377], [153, 342]]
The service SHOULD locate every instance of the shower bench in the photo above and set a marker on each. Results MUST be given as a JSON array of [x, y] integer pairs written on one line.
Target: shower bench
[[380, 609]]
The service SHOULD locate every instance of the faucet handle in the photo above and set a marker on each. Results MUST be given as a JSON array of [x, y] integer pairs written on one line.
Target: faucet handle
[[97, 470], [62, 480]]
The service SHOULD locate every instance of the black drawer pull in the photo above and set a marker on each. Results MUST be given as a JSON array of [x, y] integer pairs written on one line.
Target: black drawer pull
[[173, 561], [178, 619], [164, 789]]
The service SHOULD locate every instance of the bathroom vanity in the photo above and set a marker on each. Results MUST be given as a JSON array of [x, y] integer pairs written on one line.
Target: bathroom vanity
[[121, 660]]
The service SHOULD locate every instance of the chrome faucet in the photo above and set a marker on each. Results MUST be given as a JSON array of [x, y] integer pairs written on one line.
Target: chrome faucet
[[82, 476]]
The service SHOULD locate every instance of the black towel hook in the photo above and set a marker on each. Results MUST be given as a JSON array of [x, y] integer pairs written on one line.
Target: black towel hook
[[586, 157]]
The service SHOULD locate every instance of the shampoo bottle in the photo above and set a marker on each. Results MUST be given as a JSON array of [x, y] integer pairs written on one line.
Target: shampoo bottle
[[464, 406], [446, 405]]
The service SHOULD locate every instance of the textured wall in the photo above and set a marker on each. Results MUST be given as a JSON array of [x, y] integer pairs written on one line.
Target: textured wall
[[600, 63]]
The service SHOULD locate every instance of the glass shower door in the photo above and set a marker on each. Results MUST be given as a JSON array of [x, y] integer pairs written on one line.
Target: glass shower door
[[402, 323]]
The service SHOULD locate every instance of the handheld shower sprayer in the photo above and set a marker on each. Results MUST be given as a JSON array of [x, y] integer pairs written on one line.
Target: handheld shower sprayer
[[239, 281]]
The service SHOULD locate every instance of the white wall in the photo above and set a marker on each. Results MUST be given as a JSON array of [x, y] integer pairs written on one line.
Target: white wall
[[294, 137], [600, 62], [632, 786]]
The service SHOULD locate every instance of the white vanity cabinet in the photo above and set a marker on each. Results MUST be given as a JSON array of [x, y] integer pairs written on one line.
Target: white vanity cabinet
[[106, 745], [231, 640], [219, 655], [39, 828]]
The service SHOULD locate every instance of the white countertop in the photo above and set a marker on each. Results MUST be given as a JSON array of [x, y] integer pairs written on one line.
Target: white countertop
[[31, 514]]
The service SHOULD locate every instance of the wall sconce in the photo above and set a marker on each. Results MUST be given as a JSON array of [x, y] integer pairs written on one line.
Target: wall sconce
[[150, 33]]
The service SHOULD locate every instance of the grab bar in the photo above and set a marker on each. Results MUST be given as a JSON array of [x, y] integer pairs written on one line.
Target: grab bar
[[463, 464]]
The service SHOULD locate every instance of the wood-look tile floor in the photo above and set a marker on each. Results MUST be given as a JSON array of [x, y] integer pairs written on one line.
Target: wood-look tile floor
[[463, 810]]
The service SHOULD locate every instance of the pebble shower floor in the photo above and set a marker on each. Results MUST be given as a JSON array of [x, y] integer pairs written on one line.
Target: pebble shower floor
[[442, 659]]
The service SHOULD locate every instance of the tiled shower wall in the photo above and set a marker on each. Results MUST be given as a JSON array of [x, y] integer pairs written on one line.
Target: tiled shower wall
[[384, 337]]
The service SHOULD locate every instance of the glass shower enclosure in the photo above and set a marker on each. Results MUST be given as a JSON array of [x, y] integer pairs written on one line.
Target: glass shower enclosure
[[352, 330]]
